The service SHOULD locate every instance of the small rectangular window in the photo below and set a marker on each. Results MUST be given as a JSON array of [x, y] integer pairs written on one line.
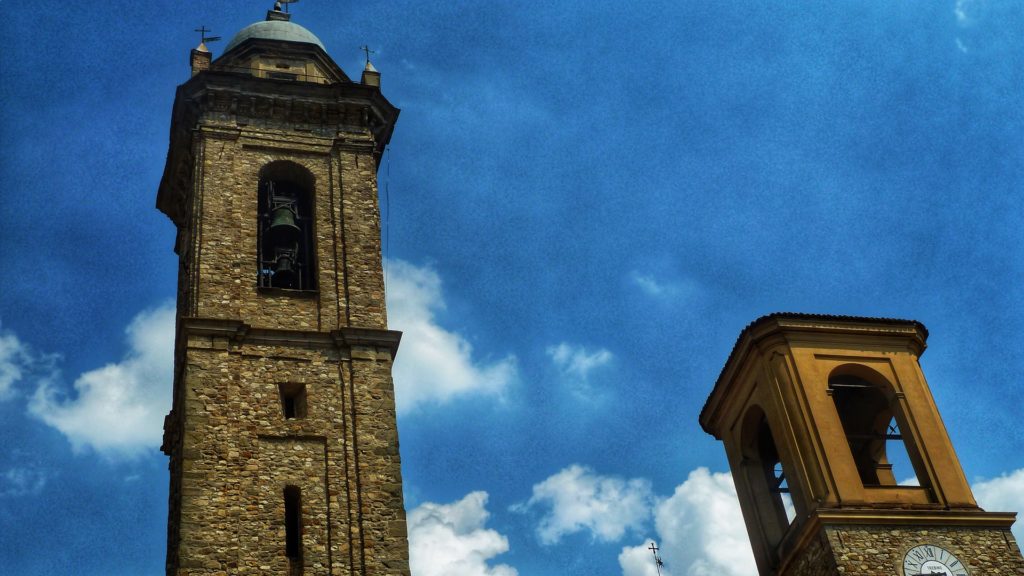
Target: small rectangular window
[[293, 400], [282, 76]]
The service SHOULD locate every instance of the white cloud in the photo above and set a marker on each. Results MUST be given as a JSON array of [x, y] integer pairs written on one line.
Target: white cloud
[[652, 286], [576, 499], [660, 288], [576, 361], [638, 561], [702, 528], [22, 481], [1003, 494], [961, 10], [14, 359], [118, 409], [450, 539], [434, 365], [700, 532]]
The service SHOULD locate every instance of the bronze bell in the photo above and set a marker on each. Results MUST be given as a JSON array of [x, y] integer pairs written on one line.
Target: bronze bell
[[283, 227], [284, 272]]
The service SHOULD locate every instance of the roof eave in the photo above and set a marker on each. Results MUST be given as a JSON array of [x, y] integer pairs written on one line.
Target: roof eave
[[778, 322]]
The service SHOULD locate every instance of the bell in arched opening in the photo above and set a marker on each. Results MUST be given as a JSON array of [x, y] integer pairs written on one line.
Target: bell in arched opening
[[284, 228], [284, 269], [285, 244]]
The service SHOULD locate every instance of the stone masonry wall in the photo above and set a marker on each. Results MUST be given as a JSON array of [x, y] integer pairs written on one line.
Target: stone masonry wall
[[879, 550], [232, 451], [816, 559], [240, 453], [350, 288]]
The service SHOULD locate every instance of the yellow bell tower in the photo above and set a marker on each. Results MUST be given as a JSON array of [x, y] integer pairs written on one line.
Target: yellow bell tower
[[814, 411]]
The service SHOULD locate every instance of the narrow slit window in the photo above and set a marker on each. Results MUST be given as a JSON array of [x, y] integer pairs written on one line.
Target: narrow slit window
[[293, 524], [293, 400]]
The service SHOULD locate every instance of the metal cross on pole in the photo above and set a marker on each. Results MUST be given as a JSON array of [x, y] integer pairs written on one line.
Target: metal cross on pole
[[203, 37], [366, 49], [657, 559]]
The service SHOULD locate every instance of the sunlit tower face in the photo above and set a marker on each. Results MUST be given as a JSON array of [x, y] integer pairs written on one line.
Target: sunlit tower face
[[282, 438]]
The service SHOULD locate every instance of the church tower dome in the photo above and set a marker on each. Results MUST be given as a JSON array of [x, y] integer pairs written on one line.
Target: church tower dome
[[275, 28]]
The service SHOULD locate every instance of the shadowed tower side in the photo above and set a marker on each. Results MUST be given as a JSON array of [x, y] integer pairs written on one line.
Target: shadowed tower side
[[282, 438]]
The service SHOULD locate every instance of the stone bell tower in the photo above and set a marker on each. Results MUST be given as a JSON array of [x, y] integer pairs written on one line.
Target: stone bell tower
[[814, 412], [282, 438]]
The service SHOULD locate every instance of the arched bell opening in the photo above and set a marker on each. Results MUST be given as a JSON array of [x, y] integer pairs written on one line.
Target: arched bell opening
[[286, 250], [873, 422], [765, 477]]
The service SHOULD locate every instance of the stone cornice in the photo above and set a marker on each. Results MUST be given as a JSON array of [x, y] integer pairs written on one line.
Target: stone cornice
[[356, 117], [976, 517], [238, 333]]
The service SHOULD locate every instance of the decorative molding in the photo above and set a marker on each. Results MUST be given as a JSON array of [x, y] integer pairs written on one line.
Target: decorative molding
[[240, 333], [891, 517]]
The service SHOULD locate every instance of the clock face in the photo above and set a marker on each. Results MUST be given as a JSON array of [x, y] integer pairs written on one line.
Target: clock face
[[928, 560]]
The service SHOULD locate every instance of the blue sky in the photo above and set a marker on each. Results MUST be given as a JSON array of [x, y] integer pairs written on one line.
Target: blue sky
[[585, 202]]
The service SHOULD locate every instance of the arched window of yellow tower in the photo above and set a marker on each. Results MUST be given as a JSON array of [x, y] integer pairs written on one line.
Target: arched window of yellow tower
[[286, 252], [868, 408], [764, 476]]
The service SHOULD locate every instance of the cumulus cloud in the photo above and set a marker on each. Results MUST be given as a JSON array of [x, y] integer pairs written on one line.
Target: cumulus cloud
[[702, 528], [450, 539], [576, 361], [118, 409], [1003, 494], [576, 499], [639, 561], [700, 532], [434, 365]]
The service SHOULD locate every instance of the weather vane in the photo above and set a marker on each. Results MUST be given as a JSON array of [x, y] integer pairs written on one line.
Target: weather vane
[[366, 49], [204, 38], [657, 559], [277, 5]]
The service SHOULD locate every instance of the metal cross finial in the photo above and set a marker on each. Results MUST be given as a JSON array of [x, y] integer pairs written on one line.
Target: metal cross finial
[[277, 5], [204, 38], [657, 559], [366, 49]]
